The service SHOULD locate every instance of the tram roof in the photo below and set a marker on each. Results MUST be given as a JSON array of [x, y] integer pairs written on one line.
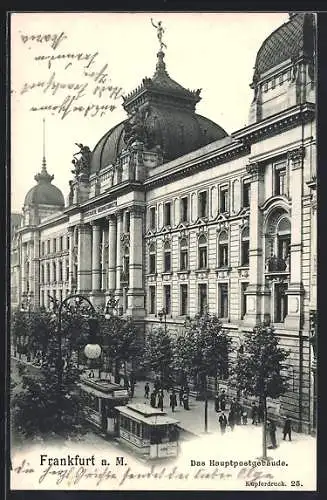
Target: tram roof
[[148, 416]]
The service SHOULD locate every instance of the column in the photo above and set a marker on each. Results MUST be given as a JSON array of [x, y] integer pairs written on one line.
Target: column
[[295, 290], [104, 247], [135, 293], [23, 268], [36, 270], [71, 259], [84, 255], [256, 289], [119, 292], [112, 245], [96, 296]]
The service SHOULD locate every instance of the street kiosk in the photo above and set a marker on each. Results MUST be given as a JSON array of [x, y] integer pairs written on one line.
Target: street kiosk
[[101, 396], [148, 431]]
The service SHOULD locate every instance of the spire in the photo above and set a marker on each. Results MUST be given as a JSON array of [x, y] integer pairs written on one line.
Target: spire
[[161, 65], [43, 176]]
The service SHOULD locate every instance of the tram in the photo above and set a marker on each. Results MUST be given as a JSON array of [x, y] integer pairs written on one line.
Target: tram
[[148, 431], [100, 398]]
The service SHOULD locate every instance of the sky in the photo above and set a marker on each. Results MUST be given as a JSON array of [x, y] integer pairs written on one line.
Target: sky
[[79, 65]]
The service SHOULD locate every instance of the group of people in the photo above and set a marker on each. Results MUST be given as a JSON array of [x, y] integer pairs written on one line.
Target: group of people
[[156, 396]]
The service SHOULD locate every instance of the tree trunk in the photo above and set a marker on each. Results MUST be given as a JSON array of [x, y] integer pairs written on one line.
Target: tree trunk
[[264, 429], [117, 372]]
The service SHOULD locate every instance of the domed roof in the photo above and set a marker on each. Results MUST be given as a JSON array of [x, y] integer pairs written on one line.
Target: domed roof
[[165, 114], [44, 193], [292, 39]]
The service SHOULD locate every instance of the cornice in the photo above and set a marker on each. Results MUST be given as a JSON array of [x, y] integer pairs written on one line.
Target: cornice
[[276, 123]]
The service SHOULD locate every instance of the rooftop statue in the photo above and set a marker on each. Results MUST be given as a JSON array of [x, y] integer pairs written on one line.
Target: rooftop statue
[[160, 32], [82, 160]]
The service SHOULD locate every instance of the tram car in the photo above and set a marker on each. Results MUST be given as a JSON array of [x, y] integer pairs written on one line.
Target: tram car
[[148, 431], [100, 398]]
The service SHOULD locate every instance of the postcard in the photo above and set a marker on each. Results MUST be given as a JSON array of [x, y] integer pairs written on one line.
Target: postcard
[[163, 325]]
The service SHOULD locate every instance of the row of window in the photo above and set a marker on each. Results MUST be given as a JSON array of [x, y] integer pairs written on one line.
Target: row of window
[[279, 300], [223, 252], [60, 295], [58, 245], [58, 273], [203, 206], [279, 79]]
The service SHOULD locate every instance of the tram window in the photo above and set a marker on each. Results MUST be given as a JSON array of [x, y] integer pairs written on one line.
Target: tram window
[[146, 432], [138, 430]]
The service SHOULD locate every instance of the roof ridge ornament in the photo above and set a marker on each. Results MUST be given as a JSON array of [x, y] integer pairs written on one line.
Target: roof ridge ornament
[[43, 176], [160, 32]]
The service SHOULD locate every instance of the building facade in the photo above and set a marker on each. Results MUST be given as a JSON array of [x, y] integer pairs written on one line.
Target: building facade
[[170, 213]]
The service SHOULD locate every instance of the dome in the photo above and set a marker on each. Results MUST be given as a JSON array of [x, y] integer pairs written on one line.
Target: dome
[[293, 39], [160, 113], [44, 193]]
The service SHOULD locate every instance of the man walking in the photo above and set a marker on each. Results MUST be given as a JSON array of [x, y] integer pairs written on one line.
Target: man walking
[[223, 400], [181, 394], [173, 401], [272, 433], [231, 420], [153, 399], [161, 399], [146, 390], [222, 422], [254, 413], [287, 429], [217, 401]]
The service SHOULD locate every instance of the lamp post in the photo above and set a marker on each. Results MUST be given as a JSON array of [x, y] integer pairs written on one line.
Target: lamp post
[[163, 314], [26, 309], [92, 350]]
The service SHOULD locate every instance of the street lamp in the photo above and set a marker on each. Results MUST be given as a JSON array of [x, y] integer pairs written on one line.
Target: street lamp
[[92, 350], [163, 314]]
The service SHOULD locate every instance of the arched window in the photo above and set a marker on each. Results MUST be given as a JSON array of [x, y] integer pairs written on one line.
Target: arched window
[[183, 254], [245, 246], [223, 249], [167, 257], [283, 239], [125, 275], [60, 271], [42, 274], [48, 273], [203, 252], [152, 259]]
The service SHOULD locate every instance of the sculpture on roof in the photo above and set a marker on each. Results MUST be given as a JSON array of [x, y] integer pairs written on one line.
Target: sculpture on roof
[[82, 161], [134, 127], [160, 32]]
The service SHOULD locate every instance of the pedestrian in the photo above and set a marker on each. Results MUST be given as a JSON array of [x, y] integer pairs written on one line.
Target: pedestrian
[[217, 401], [153, 399], [272, 434], [244, 417], [181, 394], [185, 401], [222, 422], [254, 413], [238, 413], [146, 390], [157, 384], [132, 388], [231, 420], [287, 429], [173, 401], [223, 400], [161, 399]]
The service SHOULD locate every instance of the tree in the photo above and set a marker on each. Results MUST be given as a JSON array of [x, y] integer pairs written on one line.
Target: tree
[[120, 341], [19, 331], [158, 355], [44, 407], [202, 352], [258, 369]]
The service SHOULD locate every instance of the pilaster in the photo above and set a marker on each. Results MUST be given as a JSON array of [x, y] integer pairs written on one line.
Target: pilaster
[[295, 290], [112, 246], [96, 296], [119, 267], [135, 294], [36, 269], [84, 256], [256, 289]]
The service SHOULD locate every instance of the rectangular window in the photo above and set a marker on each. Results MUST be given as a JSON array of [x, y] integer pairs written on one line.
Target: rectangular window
[[48, 273], [168, 214], [48, 246], [280, 180], [183, 303], [273, 83], [184, 255], [203, 257], [167, 266], [203, 204], [60, 271], [280, 302], [61, 243], [167, 299], [243, 299], [223, 300], [224, 200], [43, 247], [152, 262], [265, 87], [203, 299], [284, 244], [246, 194], [245, 252], [152, 217], [152, 298], [60, 295], [184, 209], [67, 270], [42, 298], [223, 254], [54, 245], [281, 79], [67, 242]]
